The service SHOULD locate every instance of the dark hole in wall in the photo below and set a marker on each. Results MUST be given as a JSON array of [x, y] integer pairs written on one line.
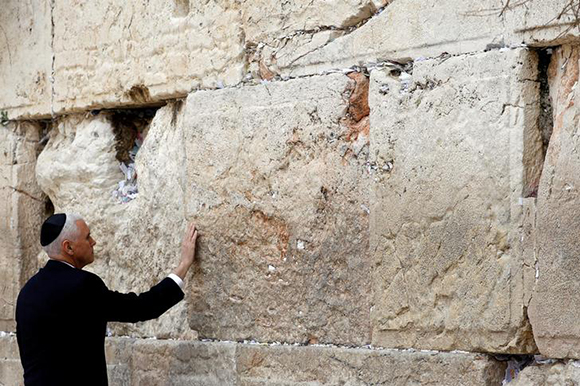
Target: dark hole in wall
[[48, 208], [546, 118], [544, 124], [129, 126]]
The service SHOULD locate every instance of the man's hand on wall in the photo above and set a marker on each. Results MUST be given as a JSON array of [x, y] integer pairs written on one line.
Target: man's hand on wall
[[187, 250]]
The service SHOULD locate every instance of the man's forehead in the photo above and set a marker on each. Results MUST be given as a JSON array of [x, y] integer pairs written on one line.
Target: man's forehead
[[83, 227]]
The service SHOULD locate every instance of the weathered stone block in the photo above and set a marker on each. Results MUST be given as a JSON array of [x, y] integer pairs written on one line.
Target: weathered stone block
[[453, 152], [278, 185], [410, 29], [156, 362], [25, 62], [553, 313], [116, 53], [291, 365], [21, 209]]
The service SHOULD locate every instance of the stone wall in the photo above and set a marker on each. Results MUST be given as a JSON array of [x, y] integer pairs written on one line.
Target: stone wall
[[378, 184]]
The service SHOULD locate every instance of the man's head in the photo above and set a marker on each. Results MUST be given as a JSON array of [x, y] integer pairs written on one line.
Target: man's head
[[73, 243]]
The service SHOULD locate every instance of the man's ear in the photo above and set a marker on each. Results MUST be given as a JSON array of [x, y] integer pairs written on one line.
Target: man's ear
[[67, 247]]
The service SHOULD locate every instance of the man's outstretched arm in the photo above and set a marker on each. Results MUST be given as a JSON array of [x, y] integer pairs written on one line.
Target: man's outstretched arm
[[151, 304]]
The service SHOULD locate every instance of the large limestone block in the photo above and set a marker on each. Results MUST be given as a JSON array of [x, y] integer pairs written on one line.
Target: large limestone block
[[142, 362], [25, 62], [410, 29], [138, 241], [111, 53], [21, 213], [455, 149], [277, 183], [291, 365], [155, 362], [553, 310]]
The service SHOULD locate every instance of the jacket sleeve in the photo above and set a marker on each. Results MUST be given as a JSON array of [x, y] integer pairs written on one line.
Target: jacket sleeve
[[119, 307]]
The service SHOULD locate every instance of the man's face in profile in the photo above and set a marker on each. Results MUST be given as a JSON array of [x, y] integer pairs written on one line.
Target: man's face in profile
[[82, 247]]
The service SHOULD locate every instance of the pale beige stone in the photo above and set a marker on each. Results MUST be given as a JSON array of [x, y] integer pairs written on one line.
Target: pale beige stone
[[554, 374], [553, 310], [410, 29], [112, 53], [11, 373], [290, 365], [278, 187], [449, 148], [25, 59], [150, 362], [22, 206]]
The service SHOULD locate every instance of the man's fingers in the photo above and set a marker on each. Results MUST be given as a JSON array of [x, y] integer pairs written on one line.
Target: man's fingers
[[195, 235]]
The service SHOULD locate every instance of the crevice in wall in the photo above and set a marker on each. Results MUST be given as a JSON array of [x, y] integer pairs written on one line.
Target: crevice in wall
[[546, 117], [130, 128], [537, 138]]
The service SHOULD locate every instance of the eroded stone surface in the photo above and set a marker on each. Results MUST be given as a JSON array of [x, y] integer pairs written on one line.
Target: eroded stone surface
[[291, 365], [280, 191], [409, 29], [552, 312], [21, 210], [449, 147], [26, 57]]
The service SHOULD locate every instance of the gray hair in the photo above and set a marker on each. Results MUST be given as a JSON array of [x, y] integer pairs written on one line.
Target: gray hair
[[70, 231]]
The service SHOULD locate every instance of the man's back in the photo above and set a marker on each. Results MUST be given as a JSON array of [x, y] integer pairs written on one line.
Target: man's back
[[60, 328]]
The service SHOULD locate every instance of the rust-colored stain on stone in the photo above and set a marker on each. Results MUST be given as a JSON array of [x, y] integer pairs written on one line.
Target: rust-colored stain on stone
[[357, 118]]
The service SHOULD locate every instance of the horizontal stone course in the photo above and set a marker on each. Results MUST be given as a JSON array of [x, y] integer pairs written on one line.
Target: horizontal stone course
[[138, 362]]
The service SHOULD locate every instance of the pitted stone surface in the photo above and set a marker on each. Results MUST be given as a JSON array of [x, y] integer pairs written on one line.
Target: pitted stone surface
[[21, 213], [449, 146], [25, 59], [280, 191], [553, 313]]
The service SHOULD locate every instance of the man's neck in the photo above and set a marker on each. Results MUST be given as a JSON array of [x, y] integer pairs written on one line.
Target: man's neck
[[66, 261]]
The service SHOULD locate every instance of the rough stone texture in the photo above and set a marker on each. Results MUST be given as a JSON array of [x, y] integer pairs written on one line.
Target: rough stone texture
[[288, 365], [145, 362], [10, 367], [133, 52], [154, 362], [137, 242], [142, 362], [449, 148], [408, 29], [552, 312], [556, 374], [278, 185], [21, 209], [25, 33]]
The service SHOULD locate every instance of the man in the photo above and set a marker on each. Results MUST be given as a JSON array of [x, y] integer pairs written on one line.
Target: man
[[62, 311]]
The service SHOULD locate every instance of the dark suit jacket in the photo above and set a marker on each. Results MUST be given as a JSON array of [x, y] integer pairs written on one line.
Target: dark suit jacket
[[62, 314]]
